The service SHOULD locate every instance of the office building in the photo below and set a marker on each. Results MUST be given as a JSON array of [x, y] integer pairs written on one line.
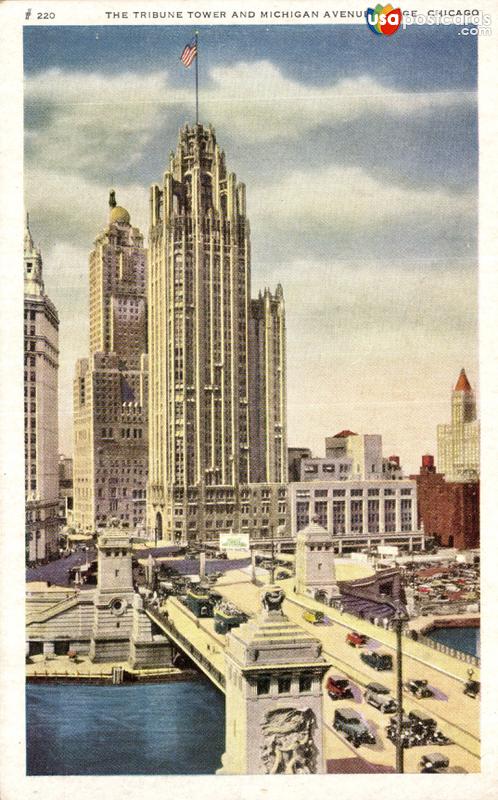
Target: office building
[[111, 386], [448, 510], [41, 365], [458, 442], [217, 411]]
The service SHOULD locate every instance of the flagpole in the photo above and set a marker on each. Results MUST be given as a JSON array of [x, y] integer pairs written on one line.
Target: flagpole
[[197, 77]]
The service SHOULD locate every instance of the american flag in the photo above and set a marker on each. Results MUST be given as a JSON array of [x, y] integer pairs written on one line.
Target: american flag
[[189, 53]]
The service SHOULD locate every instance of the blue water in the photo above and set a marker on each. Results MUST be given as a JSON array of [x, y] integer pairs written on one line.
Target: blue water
[[142, 729], [467, 640]]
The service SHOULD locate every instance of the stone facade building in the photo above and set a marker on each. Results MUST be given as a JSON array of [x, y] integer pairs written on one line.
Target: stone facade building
[[358, 513], [217, 359], [111, 386], [108, 623], [458, 442], [41, 365]]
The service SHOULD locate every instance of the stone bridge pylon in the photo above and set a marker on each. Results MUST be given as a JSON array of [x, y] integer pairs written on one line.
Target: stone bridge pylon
[[274, 697]]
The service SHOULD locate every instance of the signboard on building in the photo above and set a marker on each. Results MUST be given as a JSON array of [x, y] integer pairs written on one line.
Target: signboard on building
[[387, 550], [234, 541]]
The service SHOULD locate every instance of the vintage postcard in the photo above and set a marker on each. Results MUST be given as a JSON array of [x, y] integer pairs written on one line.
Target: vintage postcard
[[248, 352]]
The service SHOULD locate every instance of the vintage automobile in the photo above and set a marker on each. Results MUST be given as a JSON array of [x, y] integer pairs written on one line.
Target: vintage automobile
[[315, 617], [434, 762], [348, 722], [472, 688], [379, 697], [338, 688], [407, 739], [355, 639], [419, 688], [422, 723], [379, 661]]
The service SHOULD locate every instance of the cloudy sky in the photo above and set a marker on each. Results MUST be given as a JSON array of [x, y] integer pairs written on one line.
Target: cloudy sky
[[359, 153]]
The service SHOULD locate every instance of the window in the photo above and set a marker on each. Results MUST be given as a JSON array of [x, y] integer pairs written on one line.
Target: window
[[406, 515], [356, 516], [284, 684], [339, 516], [373, 516], [263, 684], [302, 515], [321, 513], [305, 683], [389, 516]]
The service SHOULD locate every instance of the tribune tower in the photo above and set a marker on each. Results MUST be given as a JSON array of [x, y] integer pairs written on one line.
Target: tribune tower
[[217, 359]]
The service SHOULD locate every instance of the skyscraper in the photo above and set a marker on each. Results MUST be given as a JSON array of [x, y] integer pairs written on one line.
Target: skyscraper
[[458, 442], [110, 387], [217, 359], [41, 365]]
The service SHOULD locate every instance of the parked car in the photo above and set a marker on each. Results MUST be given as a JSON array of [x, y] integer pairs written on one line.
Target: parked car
[[434, 762], [472, 688], [355, 639], [315, 617], [338, 688], [379, 661], [379, 697], [354, 728], [419, 688]]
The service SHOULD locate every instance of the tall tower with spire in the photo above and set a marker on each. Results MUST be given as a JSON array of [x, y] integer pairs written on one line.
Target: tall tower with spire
[[217, 360], [458, 442], [41, 365], [110, 387]]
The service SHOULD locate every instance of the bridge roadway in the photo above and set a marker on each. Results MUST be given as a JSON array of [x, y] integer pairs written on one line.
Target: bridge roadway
[[457, 714]]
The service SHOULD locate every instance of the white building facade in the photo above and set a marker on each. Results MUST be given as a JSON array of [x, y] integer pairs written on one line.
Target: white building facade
[[217, 411], [41, 366], [358, 514]]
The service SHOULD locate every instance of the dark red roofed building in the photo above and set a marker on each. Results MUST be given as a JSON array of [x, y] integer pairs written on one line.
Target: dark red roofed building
[[449, 510]]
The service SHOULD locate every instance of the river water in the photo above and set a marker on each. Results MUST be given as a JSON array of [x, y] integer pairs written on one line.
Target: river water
[[467, 640], [140, 729]]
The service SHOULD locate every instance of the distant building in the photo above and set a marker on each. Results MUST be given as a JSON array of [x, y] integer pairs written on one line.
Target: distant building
[[358, 513], [111, 386], [41, 365], [294, 457], [448, 510], [458, 442], [66, 490], [351, 456]]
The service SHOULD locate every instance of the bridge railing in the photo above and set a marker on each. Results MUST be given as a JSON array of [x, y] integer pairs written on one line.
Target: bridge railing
[[186, 645], [443, 648]]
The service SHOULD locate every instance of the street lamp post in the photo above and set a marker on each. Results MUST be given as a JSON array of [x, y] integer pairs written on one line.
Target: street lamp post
[[399, 618]]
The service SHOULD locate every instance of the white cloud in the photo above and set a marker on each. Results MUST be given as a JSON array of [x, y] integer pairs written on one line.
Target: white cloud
[[87, 120], [262, 104], [73, 209], [349, 196]]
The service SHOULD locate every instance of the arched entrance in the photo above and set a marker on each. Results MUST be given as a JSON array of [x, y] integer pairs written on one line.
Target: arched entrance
[[159, 527]]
